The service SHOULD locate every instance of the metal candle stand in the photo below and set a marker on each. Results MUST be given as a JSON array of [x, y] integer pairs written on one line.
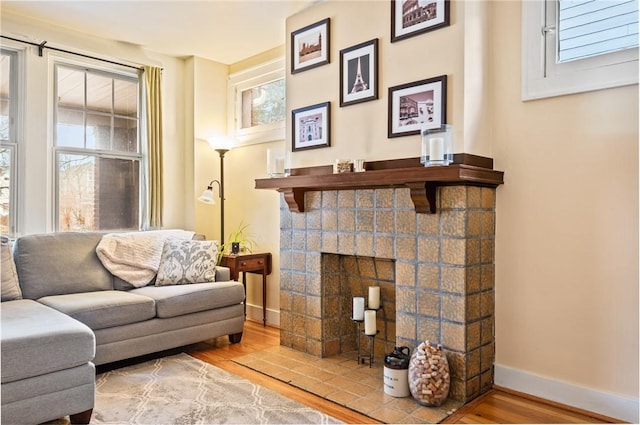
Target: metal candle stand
[[364, 357]]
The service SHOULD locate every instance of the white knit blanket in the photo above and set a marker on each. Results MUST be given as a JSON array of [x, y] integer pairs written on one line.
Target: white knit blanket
[[135, 256]]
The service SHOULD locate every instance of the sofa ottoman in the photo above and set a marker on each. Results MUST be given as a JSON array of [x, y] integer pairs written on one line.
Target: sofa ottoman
[[46, 365]]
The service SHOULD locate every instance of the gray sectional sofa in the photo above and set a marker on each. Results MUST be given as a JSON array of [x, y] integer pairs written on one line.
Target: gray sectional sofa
[[75, 314]]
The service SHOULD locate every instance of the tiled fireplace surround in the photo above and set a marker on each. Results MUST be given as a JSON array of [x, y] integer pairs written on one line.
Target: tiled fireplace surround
[[444, 275]]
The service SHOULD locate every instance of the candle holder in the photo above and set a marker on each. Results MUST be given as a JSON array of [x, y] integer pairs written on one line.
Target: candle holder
[[358, 322], [278, 162], [437, 146], [364, 357]]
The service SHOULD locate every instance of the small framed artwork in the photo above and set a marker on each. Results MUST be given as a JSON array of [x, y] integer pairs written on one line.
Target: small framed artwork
[[310, 46], [359, 73], [311, 127], [417, 106], [413, 17]]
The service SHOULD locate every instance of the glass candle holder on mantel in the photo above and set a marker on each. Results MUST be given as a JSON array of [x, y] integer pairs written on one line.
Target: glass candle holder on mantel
[[278, 162], [437, 146]]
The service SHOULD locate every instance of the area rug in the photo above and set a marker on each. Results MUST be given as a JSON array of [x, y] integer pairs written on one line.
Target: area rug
[[180, 389]]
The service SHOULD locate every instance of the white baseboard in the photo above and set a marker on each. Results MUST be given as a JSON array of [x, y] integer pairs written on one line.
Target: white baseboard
[[254, 312], [612, 405]]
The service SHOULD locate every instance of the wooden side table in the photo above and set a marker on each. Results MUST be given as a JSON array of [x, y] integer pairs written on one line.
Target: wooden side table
[[259, 263]]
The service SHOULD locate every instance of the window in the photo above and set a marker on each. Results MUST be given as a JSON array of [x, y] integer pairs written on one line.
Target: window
[[8, 139], [572, 46], [263, 104], [257, 102], [97, 150]]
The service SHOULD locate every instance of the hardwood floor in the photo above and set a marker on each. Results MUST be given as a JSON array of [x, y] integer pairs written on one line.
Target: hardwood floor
[[500, 406], [496, 406]]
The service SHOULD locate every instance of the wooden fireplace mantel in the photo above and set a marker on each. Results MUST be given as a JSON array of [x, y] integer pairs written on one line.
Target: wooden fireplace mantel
[[422, 181]]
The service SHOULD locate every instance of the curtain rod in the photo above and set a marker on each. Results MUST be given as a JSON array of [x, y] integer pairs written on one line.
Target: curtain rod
[[42, 46]]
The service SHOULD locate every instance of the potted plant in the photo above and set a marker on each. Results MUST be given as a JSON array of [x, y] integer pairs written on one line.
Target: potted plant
[[238, 241]]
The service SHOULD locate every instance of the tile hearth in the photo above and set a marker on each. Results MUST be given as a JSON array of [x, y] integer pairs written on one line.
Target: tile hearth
[[342, 380]]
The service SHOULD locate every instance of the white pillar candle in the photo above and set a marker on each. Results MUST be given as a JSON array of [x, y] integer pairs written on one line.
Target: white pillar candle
[[436, 149], [358, 308], [370, 322], [280, 165], [374, 297]]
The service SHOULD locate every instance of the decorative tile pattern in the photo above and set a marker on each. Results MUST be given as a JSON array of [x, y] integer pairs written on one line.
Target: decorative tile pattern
[[440, 282]]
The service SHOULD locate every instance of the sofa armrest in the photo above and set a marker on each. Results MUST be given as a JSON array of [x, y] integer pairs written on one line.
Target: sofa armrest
[[223, 274]]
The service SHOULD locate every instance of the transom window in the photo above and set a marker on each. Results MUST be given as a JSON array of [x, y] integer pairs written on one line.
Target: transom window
[[97, 150], [257, 103]]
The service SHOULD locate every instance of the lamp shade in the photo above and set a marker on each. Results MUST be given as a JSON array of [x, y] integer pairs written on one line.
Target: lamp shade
[[207, 196], [221, 142]]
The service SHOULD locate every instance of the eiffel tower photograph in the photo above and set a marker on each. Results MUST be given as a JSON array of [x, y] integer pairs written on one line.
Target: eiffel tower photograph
[[358, 73]]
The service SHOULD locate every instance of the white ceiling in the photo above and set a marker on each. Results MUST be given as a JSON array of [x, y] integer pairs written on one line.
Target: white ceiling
[[224, 31]]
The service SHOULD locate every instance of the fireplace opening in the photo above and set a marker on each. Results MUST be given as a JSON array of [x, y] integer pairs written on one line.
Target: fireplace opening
[[343, 278]]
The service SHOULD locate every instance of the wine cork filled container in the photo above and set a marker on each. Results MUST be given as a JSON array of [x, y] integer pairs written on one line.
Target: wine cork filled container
[[429, 378]]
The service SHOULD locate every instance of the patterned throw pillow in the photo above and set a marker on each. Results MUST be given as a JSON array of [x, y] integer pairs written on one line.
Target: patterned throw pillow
[[187, 261], [9, 280]]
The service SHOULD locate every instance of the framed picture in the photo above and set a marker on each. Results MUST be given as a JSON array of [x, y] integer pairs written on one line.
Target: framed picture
[[310, 46], [359, 73], [417, 106], [413, 17], [311, 127]]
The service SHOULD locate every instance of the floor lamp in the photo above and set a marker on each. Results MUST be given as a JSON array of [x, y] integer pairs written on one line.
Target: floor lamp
[[208, 198]]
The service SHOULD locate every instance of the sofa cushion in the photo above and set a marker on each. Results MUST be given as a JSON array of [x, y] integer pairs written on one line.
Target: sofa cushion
[[9, 278], [190, 261], [103, 309], [223, 274], [60, 263], [37, 339], [176, 300]]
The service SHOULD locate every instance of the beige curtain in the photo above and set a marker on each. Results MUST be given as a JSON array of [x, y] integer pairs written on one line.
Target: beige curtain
[[153, 78]]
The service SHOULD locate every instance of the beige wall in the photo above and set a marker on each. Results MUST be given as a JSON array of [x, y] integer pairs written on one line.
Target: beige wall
[[242, 165], [567, 226], [360, 131], [209, 123]]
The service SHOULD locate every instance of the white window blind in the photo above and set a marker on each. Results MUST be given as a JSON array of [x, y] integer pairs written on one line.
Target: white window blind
[[591, 27], [598, 40]]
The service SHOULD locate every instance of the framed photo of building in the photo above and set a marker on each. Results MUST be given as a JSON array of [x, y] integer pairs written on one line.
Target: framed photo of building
[[311, 127], [359, 73], [310, 46], [413, 17], [417, 106]]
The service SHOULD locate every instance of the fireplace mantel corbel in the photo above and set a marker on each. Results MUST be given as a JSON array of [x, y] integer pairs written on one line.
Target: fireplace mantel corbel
[[422, 181]]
